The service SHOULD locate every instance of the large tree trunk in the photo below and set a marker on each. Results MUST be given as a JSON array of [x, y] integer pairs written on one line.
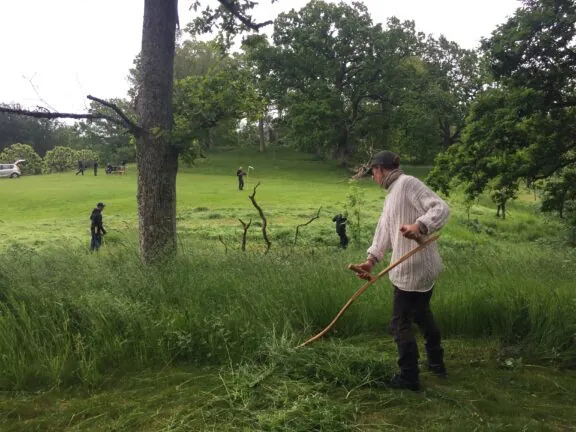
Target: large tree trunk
[[211, 143], [342, 149], [262, 135], [157, 159]]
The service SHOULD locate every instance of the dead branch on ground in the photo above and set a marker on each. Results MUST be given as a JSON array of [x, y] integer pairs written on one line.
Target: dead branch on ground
[[224, 243], [304, 224], [245, 226], [264, 221]]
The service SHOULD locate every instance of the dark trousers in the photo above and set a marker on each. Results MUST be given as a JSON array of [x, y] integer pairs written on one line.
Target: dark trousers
[[240, 183], [409, 308], [96, 242], [343, 240]]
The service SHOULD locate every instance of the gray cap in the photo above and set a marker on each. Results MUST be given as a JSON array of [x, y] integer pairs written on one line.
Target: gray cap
[[387, 159]]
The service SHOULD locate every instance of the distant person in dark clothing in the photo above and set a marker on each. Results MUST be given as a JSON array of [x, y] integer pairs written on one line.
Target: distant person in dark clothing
[[80, 168], [240, 173], [341, 230], [95, 169], [96, 227]]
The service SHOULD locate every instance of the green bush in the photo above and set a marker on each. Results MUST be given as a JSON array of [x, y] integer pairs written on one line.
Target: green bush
[[33, 164]]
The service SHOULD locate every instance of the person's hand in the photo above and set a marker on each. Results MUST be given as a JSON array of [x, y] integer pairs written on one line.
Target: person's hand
[[365, 270], [411, 231]]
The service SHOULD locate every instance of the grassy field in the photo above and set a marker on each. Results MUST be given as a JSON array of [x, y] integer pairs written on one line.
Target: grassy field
[[47, 209], [206, 342]]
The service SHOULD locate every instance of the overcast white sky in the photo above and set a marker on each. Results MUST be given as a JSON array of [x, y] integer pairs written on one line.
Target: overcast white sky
[[71, 48]]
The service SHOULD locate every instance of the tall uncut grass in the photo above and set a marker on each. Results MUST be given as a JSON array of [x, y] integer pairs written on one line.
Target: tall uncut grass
[[68, 317]]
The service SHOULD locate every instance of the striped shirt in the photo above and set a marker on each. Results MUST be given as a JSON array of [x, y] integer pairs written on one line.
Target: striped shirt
[[410, 201]]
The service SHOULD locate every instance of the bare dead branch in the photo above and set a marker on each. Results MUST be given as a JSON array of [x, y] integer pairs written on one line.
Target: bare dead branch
[[246, 226], [247, 21], [133, 127], [264, 221], [364, 170], [224, 243], [43, 114], [304, 224]]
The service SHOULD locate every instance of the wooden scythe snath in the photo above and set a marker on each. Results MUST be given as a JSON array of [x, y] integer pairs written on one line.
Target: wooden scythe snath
[[363, 288]]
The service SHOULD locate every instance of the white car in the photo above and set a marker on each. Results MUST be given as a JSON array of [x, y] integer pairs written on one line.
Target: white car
[[10, 170]]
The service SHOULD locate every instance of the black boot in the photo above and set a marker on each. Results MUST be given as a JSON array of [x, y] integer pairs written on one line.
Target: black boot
[[409, 372], [435, 362], [399, 383]]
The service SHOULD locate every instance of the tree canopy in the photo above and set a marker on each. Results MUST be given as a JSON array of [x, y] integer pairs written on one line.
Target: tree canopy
[[342, 83], [522, 127]]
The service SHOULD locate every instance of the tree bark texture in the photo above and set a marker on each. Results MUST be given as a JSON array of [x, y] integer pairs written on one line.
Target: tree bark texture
[[342, 149], [262, 135], [157, 159]]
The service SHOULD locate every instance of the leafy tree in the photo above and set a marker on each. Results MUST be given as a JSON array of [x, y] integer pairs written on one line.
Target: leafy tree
[[443, 81], [212, 91], [335, 70], [111, 141], [60, 159], [559, 194], [523, 126], [197, 58], [209, 98], [33, 164], [341, 83], [157, 152], [191, 58], [455, 76], [532, 55], [87, 156], [258, 54]]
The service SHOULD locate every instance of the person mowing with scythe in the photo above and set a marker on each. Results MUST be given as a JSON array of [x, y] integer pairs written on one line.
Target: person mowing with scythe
[[240, 173], [411, 213]]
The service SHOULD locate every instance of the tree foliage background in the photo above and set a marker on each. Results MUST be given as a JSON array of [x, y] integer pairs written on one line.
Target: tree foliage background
[[522, 127]]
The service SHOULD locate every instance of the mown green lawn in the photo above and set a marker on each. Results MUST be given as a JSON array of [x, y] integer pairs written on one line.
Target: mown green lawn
[[328, 388], [43, 210]]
